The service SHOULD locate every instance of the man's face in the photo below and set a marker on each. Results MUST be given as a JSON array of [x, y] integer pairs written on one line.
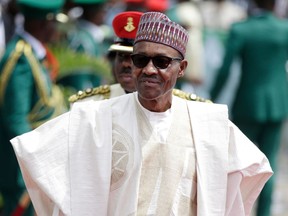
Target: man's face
[[154, 82], [123, 71]]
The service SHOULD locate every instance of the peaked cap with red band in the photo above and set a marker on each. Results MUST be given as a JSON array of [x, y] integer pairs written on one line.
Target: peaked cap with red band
[[125, 26]]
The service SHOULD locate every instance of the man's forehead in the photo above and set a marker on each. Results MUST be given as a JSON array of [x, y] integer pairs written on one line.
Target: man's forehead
[[154, 48]]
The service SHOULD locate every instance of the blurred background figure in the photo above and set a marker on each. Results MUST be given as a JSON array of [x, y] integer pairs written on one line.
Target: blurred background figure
[[28, 96], [261, 102], [187, 14], [218, 15], [83, 46], [89, 33]]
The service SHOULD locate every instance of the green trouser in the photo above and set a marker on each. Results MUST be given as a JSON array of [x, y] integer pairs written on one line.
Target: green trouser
[[11, 199], [267, 137]]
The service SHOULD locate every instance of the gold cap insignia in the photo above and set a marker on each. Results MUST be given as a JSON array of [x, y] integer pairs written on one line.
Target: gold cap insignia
[[129, 27]]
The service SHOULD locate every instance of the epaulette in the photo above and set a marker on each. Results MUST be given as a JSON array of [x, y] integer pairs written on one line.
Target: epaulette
[[23, 48], [189, 96], [101, 90]]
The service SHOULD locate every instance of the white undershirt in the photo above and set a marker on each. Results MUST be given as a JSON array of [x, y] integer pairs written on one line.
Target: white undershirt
[[160, 122]]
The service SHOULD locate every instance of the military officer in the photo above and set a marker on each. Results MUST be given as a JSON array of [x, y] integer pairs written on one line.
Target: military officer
[[28, 96]]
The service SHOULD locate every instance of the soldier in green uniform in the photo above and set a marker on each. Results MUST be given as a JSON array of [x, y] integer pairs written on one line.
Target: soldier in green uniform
[[125, 26], [28, 96]]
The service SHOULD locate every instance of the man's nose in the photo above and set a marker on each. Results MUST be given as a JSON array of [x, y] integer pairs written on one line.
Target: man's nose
[[150, 68]]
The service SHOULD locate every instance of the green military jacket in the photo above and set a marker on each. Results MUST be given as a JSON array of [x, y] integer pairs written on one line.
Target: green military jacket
[[261, 44], [27, 99]]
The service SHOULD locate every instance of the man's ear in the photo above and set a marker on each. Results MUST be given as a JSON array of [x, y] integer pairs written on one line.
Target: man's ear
[[183, 66]]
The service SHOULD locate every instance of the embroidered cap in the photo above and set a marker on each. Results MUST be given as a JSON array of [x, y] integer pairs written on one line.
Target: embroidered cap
[[157, 27], [125, 26]]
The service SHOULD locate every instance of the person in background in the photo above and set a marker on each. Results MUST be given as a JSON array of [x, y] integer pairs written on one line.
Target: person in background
[[85, 39], [89, 33], [28, 96], [147, 152], [261, 102]]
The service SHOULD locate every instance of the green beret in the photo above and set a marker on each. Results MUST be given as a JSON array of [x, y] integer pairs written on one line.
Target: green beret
[[39, 9], [83, 2]]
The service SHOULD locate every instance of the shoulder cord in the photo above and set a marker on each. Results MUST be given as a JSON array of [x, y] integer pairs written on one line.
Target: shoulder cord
[[20, 48], [36, 68], [55, 100], [45, 98]]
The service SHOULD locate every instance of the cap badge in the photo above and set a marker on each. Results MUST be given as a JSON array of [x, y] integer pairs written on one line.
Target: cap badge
[[129, 27]]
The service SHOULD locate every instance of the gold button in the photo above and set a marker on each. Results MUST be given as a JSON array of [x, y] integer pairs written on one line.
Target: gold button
[[88, 90], [79, 93], [193, 96]]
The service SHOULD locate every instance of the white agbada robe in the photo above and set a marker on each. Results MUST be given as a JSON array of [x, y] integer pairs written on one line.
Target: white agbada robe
[[71, 166]]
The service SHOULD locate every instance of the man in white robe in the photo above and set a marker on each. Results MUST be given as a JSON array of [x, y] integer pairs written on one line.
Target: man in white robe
[[134, 155]]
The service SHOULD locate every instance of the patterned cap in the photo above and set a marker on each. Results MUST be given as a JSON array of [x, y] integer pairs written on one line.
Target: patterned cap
[[157, 27], [125, 26]]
